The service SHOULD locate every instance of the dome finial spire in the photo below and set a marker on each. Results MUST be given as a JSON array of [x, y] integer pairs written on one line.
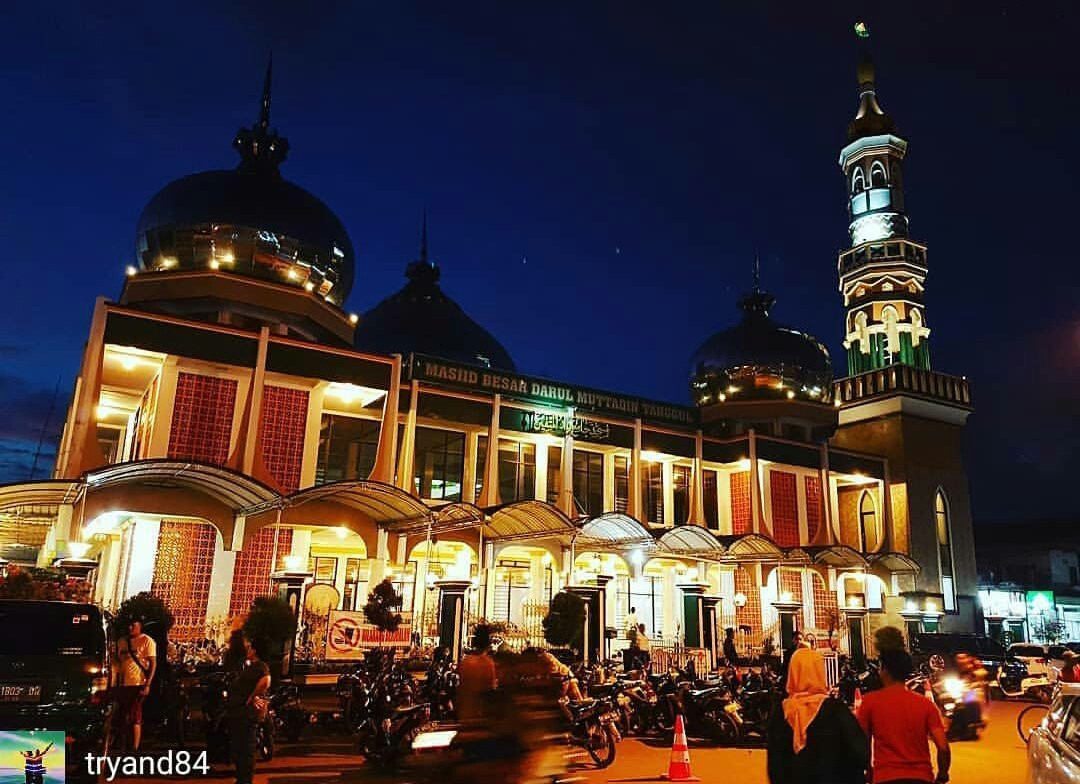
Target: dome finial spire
[[259, 146], [757, 270], [264, 108]]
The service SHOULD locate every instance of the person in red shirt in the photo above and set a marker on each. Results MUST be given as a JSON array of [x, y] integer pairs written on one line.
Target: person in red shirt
[[1070, 669], [898, 723]]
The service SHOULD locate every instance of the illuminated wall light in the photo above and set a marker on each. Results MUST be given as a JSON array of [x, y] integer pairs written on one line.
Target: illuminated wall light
[[649, 456], [227, 257], [838, 402], [293, 274], [78, 549], [104, 412], [309, 286], [214, 264], [739, 599], [341, 532], [167, 261], [128, 362], [731, 390], [353, 318], [721, 397], [787, 598], [790, 394], [130, 271], [292, 562]]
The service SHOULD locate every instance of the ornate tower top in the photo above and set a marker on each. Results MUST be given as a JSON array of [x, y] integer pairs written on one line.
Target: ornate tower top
[[260, 146], [883, 273]]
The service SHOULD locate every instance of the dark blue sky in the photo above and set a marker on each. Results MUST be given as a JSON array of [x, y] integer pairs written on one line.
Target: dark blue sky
[[597, 179]]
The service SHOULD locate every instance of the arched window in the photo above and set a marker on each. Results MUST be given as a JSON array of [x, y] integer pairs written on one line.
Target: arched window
[[868, 522], [943, 529], [858, 182], [878, 177], [890, 345]]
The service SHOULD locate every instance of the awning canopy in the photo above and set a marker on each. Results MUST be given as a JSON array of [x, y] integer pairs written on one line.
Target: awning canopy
[[28, 495], [385, 504], [235, 490], [894, 563], [751, 547], [526, 520], [838, 555], [613, 530], [692, 540]]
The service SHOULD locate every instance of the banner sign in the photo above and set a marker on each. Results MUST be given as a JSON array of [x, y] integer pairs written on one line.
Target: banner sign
[[349, 635], [546, 393]]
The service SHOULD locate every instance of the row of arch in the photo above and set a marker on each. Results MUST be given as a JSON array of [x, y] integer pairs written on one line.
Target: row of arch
[[877, 177]]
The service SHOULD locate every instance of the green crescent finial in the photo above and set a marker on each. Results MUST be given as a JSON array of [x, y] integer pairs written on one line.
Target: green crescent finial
[[861, 30]]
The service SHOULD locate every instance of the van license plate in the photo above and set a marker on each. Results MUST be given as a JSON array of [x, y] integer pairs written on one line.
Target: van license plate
[[22, 692]]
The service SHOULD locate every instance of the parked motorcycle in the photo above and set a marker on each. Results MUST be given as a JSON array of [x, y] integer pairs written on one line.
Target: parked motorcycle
[[214, 688], [1014, 681], [592, 726], [290, 717]]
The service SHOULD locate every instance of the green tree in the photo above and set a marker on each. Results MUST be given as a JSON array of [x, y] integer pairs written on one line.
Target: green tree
[[382, 607], [270, 618], [565, 621]]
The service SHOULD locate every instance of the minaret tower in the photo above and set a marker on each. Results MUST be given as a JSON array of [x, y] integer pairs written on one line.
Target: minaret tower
[[882, 274]]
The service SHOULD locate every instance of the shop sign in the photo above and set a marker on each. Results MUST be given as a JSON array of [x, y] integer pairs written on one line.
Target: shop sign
[[544, 392], [1040, 602], [1002, 604], [348, 635]]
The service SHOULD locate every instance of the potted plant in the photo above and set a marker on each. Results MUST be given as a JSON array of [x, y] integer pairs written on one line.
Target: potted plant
[[564, 624], [271, 618]]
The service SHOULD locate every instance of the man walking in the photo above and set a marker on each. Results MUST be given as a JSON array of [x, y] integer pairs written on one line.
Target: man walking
[[136, 658], [898, 723]]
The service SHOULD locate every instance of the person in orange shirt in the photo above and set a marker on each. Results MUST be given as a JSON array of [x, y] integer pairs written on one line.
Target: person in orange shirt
[[477, 677], [898, 723], [1070, 670]]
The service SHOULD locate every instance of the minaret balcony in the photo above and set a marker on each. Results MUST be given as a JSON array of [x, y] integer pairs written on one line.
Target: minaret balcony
[[898, 250], [903, 379]]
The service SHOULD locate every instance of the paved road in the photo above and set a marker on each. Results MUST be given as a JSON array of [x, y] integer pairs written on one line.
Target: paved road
[[998, 757]]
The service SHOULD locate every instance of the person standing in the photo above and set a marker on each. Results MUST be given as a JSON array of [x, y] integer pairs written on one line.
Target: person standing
[[731, 653], [643, 644], [814, 739], [136, 658], [477, 677], [898, 723], [631, 623], [246, 707]]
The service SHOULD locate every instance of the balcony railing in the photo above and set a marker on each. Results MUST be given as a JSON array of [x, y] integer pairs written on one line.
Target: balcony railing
[[903, 378]]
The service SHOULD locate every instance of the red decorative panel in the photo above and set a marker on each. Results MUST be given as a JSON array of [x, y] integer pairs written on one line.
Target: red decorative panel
[[813, 508], [750, 613], [785, 508], [790, 582], [182, 571], [251, 571], [825, 610], [284, 422], [202, 418], [741, 514]]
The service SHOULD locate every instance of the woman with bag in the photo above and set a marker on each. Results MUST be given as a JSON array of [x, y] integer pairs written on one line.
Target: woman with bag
[[246, 707]]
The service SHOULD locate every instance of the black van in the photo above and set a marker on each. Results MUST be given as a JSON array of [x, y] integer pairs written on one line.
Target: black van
[[947, 644], [54, 675]]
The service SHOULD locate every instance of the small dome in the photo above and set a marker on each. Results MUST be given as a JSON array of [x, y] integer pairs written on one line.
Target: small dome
[[758, 358], [249, 221], [422, 319]]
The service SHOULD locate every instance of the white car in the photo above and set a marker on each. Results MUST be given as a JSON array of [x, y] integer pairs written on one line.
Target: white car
[[1036, 657], [1054, 745]]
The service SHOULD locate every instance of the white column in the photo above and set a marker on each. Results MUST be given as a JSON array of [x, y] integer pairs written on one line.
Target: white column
[[221, 580], [407, 453], [312, 430], [472, 446], [807, 597], [540, 485], [633, 503], [489, 493], [566, 469], [383, 470], [723, 501], [697, 489], [609, 483], [144, 539], [672, 616], [300, 548], [108, 571]]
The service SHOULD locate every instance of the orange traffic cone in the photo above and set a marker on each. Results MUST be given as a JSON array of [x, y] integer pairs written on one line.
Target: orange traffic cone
[[858, 699], [679, 765]]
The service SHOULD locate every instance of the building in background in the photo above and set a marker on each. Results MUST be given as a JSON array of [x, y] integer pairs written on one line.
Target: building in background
[[232, 430], [1029, 586]]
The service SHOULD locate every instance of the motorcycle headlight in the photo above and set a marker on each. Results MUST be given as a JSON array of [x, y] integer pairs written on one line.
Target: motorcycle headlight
[[954, 687]]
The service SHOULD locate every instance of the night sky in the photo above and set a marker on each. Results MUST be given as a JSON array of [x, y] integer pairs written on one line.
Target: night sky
[[597, 178]]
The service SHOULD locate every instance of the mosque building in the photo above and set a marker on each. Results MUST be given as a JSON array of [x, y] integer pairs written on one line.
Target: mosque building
[[233, 431]]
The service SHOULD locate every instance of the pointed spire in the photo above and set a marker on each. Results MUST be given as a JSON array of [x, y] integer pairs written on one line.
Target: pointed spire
[[757, 301], [423, 271], [264, 108], [757, 270], [259, 146]]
